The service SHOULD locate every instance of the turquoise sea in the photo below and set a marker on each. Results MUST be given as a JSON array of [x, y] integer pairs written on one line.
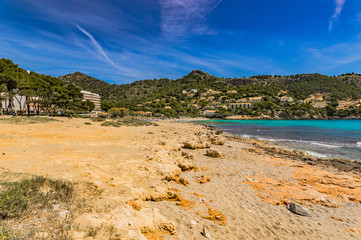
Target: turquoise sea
[[321, 138]]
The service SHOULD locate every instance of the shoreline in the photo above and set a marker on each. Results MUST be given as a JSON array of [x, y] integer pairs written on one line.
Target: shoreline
[[265, 147], [270, 141]]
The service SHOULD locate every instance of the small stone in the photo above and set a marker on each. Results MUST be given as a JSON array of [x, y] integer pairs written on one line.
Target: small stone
[[130, 224], [298, 209], [213, 153], [96, 216], [56, 207], [205, 233], [193, 224], [63, 214]]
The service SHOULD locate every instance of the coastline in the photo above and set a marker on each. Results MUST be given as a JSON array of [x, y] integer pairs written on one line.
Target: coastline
[[271, 133], [264, 147], [179, 181]]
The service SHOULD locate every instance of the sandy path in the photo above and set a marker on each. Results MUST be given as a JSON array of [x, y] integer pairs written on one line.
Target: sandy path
[[244, 199]]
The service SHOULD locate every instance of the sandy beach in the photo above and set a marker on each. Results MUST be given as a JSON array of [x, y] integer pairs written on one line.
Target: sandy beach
[[177, 181]]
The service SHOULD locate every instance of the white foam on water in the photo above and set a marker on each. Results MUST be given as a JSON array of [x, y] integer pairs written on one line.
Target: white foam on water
[[318, 155], [321, 144], [327, 145], [245, 136], [358, 144]]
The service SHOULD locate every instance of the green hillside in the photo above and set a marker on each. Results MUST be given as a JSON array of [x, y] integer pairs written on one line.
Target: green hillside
[[145, 95]]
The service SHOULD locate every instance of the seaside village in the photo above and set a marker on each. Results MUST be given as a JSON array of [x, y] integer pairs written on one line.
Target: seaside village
[[208, 103]]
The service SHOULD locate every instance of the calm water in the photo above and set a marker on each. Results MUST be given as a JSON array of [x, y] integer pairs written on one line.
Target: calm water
[[321, 138]]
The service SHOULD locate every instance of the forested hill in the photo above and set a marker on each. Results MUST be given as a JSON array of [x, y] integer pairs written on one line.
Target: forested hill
[[298, 86], [88, 83], [301, 95]]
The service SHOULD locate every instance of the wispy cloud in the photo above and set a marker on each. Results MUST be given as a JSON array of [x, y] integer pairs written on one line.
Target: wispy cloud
[[338, 10], [180, 17], [100, 49]]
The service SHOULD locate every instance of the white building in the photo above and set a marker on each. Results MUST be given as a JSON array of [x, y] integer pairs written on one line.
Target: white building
[[209, 113], [286, 99], [93, 97], [240, 105]]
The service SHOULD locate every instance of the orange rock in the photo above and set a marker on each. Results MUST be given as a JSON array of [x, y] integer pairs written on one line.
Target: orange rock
[[354, 230]]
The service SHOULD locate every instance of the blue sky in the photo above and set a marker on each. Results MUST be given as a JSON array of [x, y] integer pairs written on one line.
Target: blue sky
[[127, 40]]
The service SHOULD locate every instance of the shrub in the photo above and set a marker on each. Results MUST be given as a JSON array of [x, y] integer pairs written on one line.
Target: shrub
[[8, 233], [130, 121], [17, 197], [118, 112]]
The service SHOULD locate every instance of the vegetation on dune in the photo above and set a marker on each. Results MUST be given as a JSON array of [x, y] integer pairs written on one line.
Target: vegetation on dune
[[128, 121], [36, 207], [20, 197], [8, 233], [26, 120]]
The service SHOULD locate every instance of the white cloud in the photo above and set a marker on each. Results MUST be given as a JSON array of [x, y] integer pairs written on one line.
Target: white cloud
[[338, 10], [180, 17], [100, 49]]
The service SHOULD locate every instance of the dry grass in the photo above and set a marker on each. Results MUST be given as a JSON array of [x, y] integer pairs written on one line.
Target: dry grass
[[128, 121], [41, 207], [26, 120]]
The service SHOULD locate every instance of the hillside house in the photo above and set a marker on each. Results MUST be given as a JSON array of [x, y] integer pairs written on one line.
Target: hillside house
[[193, 105], [214, 104], [230, 100], [286, 99], [222, 106], [209, 113], [344, 105], [231, 92], [319, 105], [242, 100], [212, 92], [255, 99], [208, 107], [240, 105]]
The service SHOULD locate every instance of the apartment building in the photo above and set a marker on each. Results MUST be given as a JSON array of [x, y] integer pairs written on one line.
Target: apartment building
[[93, 97]]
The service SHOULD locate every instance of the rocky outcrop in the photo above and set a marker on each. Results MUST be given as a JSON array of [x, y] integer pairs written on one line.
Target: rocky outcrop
[[205, 139], [214, 153], [298, 209]]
